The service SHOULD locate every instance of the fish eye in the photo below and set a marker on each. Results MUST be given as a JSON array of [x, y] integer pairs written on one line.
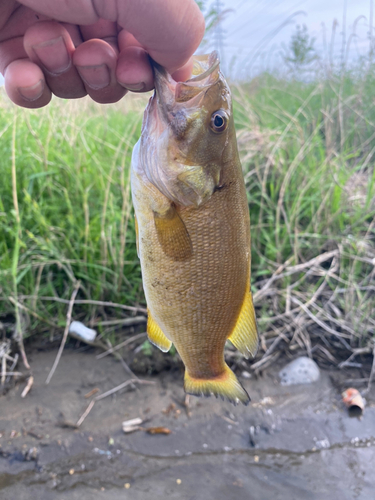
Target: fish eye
[[219, 121]]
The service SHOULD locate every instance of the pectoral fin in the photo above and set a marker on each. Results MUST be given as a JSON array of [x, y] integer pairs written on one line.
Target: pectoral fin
[[156, 336], [172, 235], [245, 333]]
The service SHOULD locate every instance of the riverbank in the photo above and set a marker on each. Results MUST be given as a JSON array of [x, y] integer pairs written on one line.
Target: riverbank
[[291, 442]]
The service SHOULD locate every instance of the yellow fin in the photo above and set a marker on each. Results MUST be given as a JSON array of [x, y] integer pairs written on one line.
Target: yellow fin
[[172, 235], [156, 336], [136, 233], [245, 334], [225, 386]]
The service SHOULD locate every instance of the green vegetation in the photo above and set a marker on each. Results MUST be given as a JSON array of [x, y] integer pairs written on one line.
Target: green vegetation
[[65, 214], [300, 52], [308, 158]]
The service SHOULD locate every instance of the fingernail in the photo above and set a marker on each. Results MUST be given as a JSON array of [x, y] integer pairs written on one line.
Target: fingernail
[[134, 87], [96, 77], [53, 54], [32, 93]]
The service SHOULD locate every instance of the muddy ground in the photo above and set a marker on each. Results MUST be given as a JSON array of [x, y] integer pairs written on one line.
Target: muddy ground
[[289, 443]]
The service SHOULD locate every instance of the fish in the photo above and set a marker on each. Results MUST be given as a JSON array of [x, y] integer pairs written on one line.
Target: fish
[[193, 228]]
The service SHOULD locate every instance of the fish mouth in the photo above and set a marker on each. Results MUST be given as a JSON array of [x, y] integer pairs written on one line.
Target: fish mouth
[[169, 92]]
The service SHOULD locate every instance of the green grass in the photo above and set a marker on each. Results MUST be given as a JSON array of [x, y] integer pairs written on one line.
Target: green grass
[[308, 159], [74, 217]]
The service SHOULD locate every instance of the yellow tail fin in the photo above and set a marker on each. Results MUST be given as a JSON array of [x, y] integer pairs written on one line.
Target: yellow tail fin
[[225, 386]]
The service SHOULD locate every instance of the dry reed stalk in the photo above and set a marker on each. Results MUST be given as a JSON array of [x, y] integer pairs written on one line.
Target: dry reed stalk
[[122, 344], [89, 302], [66, 331]]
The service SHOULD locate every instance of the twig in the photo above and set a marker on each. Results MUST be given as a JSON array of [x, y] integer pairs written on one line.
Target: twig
[[91, 393], [326, 353], [86, 412], [357, 352], [125, 365], [121, 386], [13, 365], [322, 324], [277, 275], [89, 302], [275, 343], [32, 313], [272, 279], [68, 320], [108, 393], [29, 385], [123, 344], [124, 322], [265, 360]]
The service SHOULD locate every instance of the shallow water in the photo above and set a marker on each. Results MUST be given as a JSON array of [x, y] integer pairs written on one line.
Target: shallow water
[[290, 443]]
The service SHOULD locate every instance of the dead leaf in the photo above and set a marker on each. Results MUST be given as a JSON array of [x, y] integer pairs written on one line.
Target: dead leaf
[[91, 393], [158, 430]]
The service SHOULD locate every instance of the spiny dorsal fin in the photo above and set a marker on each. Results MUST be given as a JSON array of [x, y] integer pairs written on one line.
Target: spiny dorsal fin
[[156, 336], [245, 334], [172, 235]]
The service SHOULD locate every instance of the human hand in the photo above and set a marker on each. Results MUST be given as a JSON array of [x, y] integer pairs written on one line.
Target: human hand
[[95, 47]]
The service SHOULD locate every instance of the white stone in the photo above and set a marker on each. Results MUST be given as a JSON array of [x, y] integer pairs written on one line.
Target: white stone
[[80, 331], [300, 371]]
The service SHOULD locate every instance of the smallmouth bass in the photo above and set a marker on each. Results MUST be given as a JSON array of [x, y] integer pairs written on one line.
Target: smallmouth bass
[[193, 228]]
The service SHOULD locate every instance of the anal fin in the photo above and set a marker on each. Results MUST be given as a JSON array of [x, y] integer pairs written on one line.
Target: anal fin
[[156, 336], [245, 334], [172, 235]]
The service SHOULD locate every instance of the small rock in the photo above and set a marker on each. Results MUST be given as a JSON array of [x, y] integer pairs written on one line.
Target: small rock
[[302, 370], [32, 454], [81, 332], [323, 444]]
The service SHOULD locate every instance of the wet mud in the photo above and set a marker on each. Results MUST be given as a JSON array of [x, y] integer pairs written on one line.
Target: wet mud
[[289, 443]]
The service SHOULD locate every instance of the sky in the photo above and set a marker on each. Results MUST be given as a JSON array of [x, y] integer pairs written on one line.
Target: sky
[[253, 27], [253, 35]]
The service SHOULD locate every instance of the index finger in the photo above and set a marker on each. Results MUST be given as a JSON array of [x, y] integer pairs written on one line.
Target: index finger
[[169, 30]]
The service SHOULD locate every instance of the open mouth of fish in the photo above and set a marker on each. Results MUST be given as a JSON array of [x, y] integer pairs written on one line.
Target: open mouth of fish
[[169, 92]]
